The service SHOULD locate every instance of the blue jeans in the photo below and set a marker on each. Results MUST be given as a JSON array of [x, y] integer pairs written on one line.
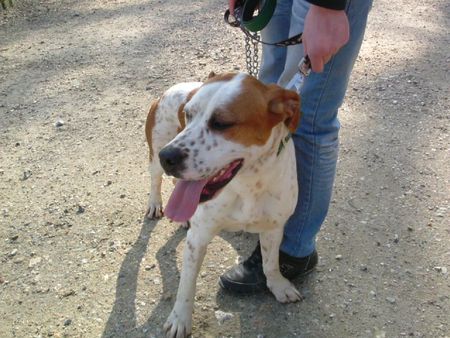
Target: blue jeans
[[316, 139]]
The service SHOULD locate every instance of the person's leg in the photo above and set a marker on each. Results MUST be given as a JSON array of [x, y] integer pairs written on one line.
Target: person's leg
[[316, 140], [273, 57], [316, 144]]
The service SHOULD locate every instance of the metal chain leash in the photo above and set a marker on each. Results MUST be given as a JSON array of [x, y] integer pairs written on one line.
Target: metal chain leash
[[251, 55]]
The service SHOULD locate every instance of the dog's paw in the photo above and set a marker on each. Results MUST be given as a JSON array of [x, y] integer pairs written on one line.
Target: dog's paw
[[284, 291], [177, 326], [154, 211]]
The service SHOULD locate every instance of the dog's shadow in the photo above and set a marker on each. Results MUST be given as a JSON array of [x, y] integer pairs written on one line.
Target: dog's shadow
[[122, 321]]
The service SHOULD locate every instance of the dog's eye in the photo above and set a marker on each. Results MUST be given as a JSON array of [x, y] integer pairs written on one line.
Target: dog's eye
[[216, 124]]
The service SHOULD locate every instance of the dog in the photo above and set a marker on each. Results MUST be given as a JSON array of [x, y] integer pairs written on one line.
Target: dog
[[227, 142]]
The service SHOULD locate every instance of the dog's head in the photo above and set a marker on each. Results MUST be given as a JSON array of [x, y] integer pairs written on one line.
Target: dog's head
[[229, 123]]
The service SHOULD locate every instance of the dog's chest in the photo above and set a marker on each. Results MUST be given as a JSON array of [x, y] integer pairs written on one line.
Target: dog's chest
[[254, 204]]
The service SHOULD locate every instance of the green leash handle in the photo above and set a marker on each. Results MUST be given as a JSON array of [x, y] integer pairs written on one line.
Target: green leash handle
[[244, 14]]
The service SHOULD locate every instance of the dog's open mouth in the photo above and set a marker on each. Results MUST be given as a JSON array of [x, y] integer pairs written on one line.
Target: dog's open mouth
[[220, 180], [188, 194]]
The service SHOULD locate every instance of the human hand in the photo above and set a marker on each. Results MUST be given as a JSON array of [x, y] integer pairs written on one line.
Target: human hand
[[325, 32]]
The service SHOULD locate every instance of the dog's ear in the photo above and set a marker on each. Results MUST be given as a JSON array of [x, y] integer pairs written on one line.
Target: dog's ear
[[285, 105]]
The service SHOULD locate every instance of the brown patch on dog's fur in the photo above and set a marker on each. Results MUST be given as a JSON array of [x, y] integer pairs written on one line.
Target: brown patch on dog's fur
[[287, 104], [189, 97], [211, 74], [150, 124], [220, 77], [254, 118], [181, 113]]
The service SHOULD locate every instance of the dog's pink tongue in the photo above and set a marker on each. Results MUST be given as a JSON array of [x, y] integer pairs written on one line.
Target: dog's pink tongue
[[184, 200]]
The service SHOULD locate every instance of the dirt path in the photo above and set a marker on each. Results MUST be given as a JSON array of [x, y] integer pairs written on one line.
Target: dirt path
[[77, 258]]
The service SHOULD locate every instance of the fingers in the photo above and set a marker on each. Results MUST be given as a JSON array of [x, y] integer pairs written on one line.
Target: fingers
[[318, 60], [325, 32], [318, 56]]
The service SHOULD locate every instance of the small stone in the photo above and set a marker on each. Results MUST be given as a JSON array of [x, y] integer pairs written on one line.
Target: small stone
[[12, 253], [260, 336], [59, 123], [338, 257], [123, 196], [222, 317], [410, 229], [67, 322], [372, 293], [13, 238], [68, 293], [167, 296], [80, 210], [34, 261], [363, 267], [150, 267], [26, 175], [157, 281], [396, 239], [391, 300], [441, 269], [379, 333]]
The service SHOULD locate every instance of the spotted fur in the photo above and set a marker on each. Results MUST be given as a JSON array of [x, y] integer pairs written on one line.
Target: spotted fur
[[263, 194]]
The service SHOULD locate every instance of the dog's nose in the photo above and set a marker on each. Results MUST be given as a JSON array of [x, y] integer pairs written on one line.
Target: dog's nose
[[172, 160]]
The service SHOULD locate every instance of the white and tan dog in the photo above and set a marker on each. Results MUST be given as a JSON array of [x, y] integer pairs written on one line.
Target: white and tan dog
[[236, 170]]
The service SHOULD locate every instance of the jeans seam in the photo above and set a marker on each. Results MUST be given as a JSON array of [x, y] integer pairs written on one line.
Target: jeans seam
[[314, 159]]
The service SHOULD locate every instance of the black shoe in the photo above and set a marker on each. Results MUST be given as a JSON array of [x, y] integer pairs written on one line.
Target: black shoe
[[248, 276]]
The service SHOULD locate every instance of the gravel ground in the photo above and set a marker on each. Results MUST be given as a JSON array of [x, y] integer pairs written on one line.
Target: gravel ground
[[79, 260]]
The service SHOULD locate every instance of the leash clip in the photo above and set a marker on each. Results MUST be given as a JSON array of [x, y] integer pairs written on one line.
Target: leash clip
[[304, 67]]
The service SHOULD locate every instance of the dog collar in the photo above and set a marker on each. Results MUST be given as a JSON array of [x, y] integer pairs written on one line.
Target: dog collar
[[283, 143]]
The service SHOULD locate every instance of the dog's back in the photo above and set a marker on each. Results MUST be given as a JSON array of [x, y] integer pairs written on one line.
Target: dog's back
[[167, 113], [164, 120]]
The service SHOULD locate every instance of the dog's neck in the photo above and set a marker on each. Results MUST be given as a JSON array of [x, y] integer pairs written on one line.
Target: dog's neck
[[275, 151]]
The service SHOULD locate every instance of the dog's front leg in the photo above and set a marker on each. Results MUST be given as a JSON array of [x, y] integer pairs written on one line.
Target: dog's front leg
[[282, 288], [179, 322], [154, 208]]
